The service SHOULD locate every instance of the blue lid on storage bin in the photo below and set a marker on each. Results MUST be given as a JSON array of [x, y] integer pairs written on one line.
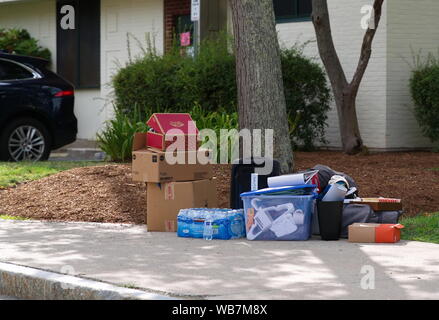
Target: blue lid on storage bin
[[306, 189]]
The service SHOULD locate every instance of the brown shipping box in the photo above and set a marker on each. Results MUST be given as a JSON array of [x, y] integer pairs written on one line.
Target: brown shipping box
[[375, 233], [150, 165], [164, 202], [362, 232]]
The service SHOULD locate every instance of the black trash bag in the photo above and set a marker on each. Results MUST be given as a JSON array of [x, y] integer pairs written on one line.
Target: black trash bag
[[326, 174]]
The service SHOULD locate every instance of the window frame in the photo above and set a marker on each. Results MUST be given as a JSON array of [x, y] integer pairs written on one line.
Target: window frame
[[297, 18], [35, 75]]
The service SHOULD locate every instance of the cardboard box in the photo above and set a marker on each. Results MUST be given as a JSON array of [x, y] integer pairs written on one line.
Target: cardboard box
[[151, 166], [164, 202], [375, 233], [382, 204], [164, 123]]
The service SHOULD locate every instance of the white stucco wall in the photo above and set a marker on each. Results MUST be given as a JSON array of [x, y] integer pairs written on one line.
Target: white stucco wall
[[137, 17], [38, 17], [413, 26], [348, 36]]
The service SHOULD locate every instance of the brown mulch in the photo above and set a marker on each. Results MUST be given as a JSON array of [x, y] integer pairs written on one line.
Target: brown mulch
[[107, 194], [407, 176], [92, 194]]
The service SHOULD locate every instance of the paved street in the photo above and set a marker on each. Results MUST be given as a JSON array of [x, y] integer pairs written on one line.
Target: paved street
[[162, 263]]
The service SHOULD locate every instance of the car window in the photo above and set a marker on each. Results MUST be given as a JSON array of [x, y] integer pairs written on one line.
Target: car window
[[13, 71]]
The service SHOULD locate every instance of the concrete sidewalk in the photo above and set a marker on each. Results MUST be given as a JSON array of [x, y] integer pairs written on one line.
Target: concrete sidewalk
[[187, 268]]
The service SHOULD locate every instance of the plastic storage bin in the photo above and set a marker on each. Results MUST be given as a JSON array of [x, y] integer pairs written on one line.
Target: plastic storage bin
[[278, 217], [226, 224]]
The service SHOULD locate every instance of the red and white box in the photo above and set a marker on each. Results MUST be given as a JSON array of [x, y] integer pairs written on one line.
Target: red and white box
[[172, 128]]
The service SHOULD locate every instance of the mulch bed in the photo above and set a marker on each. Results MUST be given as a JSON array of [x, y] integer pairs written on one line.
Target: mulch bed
[[107, 194]]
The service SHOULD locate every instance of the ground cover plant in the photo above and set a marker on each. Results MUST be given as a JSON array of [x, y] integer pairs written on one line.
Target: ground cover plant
[[424, 228], [12, 174]]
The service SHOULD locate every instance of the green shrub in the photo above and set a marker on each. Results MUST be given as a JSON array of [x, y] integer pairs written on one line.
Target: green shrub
[[210, 79], [172, 82], [19, 41], [175, 83], [308, 98], [424, 86], [116, 140]]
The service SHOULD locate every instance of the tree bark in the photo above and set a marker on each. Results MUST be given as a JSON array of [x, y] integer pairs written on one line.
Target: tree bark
[[345, 92], [261, 95]]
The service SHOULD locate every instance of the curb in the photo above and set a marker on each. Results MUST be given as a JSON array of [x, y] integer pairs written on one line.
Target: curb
[[33, 284]]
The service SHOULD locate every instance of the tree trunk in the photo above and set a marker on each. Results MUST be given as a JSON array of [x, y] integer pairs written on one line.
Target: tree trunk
[[261, 95], [345, 93]]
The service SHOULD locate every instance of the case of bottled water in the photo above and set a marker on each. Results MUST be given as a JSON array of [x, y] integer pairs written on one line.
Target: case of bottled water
[[211, 224]]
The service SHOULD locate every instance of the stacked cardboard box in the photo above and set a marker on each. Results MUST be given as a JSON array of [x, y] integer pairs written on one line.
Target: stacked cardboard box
[[171, 187]]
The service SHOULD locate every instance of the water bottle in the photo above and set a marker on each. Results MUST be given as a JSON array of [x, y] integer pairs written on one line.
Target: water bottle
[[208, 230]]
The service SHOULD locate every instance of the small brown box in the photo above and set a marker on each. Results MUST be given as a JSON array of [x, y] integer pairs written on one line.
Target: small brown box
[[151, 165], [164, 202], [362, 232]]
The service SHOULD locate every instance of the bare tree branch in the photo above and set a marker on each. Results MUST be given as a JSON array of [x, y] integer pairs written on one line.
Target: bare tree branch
[[345, 93], [366, 48], [328, 53]]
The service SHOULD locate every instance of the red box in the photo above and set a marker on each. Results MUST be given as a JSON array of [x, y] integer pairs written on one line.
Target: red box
[[177, 125], [388, 233]]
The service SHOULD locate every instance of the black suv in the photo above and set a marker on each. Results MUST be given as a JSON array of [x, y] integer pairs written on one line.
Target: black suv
[[36, 109]]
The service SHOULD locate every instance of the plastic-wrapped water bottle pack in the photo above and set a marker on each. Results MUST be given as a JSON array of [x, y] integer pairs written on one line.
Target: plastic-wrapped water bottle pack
[[211, 224]]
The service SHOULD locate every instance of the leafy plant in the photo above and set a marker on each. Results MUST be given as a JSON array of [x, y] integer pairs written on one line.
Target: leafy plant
[[175, 82], [116, 140], [424, 86], [308, 98], [19, 41], [215, 121]]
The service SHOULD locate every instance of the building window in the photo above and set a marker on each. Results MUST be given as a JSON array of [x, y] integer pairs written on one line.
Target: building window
[[78, 49], [292, 10]]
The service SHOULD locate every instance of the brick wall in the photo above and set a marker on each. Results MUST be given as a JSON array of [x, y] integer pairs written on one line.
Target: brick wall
[[174, 8]]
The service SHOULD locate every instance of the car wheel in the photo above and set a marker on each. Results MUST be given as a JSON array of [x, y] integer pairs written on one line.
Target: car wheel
[[25, 139]]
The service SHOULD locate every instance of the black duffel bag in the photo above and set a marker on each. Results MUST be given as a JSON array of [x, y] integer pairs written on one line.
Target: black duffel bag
[[360, 213]]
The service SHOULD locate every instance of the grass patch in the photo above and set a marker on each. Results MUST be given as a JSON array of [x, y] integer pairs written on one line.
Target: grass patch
[[424, 228], [2, 217], [130, 286], [12, 174]]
